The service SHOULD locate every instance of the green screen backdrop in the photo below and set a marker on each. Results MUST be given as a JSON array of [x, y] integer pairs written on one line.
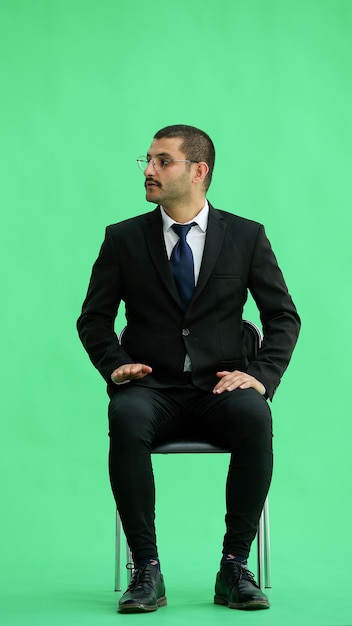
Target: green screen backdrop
[[84, 86]]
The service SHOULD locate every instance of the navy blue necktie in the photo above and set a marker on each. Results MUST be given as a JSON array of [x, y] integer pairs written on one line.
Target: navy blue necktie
[[182, 265]]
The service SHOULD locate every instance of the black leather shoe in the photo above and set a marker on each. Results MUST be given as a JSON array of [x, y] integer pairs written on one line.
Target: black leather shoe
[[235, 587], [146, 591]]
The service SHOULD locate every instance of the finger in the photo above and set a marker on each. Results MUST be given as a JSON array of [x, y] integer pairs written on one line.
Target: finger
[[223, 373], [137, 370], [230, 383], [224, 385], [246, 385], [146, 369], [253, 383], [123, 373]]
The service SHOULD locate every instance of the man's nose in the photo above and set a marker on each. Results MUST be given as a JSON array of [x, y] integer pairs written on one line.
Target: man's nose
[[149, 169]]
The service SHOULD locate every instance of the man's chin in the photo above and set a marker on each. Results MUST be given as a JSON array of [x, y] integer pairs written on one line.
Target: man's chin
[[151, 197]]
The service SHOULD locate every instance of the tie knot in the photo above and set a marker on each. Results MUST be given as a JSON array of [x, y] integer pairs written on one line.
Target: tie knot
[[182, 230]]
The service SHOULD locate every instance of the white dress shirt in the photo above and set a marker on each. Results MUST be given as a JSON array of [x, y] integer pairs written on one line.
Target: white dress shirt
[[195, 237]]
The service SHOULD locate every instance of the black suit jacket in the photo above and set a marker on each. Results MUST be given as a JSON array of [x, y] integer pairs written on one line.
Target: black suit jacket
[[132, 266]]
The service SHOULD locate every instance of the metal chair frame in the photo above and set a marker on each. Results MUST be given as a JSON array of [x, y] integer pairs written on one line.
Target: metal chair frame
[[253, 342]]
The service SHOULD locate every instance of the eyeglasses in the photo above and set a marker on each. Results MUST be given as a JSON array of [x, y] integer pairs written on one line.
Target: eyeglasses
[[159, 162]]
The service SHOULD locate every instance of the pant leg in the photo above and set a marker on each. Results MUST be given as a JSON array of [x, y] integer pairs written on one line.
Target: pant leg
[[241, 421], [137, 416]]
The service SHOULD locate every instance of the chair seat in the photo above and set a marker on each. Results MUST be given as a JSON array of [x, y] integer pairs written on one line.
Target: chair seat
[[187, 447]]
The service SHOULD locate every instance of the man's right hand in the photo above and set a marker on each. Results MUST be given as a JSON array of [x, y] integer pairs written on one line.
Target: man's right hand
[[130, 371]]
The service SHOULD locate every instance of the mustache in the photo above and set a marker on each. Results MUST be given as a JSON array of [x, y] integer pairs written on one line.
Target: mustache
[[150, 179]]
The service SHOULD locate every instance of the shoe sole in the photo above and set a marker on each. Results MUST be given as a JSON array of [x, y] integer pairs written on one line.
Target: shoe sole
[[245, 606], [142, 608]]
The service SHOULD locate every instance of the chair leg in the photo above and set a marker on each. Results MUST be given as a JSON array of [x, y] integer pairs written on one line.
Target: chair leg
[[263, 549], [267, 558], [260, 550], [118, 553]]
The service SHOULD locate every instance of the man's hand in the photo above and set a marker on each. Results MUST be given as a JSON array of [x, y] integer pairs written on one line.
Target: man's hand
[[237, 380], [130, 371]]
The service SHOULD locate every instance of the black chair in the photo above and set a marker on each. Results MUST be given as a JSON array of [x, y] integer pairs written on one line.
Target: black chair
[[253, 342]]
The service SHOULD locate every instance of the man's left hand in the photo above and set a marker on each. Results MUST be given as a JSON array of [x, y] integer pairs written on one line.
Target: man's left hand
[[237, 380]]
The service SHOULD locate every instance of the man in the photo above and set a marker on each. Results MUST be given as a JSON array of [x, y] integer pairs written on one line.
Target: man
[[183, 272]]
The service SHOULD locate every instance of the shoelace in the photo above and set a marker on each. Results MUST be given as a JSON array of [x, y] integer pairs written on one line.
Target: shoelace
[[239, 572], [140, 577]]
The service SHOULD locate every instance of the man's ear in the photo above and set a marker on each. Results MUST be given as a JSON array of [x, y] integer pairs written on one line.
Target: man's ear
[[200, 172]]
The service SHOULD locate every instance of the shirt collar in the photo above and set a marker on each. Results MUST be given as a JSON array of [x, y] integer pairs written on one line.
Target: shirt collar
[[201, 219]]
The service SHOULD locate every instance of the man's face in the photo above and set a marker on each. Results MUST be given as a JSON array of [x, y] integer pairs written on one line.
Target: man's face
[[171, 185]]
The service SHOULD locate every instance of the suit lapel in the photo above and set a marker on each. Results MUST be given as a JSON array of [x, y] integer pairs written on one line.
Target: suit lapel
[[213, 244], [156, 246]]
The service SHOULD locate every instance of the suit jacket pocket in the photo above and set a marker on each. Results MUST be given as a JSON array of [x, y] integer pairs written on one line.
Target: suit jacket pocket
[[227, 276], [230, 366]]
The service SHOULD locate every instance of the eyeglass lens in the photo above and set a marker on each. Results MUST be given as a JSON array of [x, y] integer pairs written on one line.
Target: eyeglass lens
[[157, 162]]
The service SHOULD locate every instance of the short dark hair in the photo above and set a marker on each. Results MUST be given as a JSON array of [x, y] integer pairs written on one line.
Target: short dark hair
[[196, 145]]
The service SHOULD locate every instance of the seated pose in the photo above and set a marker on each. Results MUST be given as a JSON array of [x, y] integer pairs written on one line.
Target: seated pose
[[183, 271]]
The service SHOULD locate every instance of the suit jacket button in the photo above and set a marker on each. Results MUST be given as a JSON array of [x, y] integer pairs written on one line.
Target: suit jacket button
[[185, 332]]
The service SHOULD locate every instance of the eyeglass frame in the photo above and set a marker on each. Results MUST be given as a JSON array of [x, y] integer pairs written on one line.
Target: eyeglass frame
[[166, 162]]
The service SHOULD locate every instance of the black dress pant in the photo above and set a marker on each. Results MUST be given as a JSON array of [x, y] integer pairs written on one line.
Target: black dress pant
[[239, 420]]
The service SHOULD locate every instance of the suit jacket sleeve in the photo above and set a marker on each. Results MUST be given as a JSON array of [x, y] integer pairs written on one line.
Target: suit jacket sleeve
[[96, 323], [280, 321]]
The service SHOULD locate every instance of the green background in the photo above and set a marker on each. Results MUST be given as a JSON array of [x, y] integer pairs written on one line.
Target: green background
[[84, 86]]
